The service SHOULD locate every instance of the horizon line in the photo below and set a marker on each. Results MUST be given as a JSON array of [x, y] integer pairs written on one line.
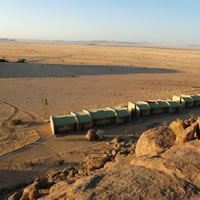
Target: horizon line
[[100, 42]]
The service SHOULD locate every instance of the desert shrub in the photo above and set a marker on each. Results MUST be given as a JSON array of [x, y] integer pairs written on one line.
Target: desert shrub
[[16, 122], [3, 60], [21, 61]]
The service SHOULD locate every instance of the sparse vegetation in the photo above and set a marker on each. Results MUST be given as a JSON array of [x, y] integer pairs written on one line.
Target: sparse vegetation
[[21, 60], [3, 60], [16, 122]]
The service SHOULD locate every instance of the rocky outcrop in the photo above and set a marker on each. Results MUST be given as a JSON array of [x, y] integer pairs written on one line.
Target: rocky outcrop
[[185, 131], [117, 146], [180, 161], [156, 141], [172, 176], [57, 179], [40, 187], [159, 168]]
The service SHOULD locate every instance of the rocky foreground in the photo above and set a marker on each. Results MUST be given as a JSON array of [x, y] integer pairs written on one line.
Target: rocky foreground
[[163, 164]]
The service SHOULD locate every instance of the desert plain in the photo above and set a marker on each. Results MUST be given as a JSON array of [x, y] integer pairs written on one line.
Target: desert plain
[[71, 78]]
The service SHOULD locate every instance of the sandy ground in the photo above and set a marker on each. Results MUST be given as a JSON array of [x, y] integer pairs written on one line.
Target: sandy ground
[[103, 55], [85, 76], [73, 77], [74, 94]]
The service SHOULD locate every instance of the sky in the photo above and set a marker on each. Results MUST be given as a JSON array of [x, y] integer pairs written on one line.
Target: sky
[[174, 22]]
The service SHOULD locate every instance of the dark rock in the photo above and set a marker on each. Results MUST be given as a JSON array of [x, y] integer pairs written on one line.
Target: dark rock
[[61, 162], [16, 195], [42, 183], [93, 135]]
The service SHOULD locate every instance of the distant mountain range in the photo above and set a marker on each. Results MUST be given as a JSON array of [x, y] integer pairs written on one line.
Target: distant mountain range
[[7, 40], [97, 42], [90, 42]]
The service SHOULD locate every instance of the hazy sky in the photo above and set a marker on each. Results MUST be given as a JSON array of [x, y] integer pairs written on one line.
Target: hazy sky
[[156, 21]]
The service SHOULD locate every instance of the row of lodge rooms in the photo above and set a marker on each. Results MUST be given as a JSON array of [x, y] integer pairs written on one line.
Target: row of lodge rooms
[[120, 115]]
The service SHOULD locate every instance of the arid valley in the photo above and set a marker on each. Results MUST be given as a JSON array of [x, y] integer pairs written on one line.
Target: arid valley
[[75, 77]]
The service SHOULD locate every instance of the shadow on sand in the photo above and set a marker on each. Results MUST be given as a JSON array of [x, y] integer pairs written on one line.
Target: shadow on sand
[[32, 70]]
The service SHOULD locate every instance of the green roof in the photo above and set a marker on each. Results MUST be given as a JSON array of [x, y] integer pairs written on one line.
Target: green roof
[[102, 113], [83, 117], [64, 120], [163, 103], [121, 111], [153, 104], [187, 98], [174, 104], [196, 97], [143, 105]]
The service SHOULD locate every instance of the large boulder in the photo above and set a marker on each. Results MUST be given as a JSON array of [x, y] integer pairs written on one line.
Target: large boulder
[[155, 141], [185, 131]]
